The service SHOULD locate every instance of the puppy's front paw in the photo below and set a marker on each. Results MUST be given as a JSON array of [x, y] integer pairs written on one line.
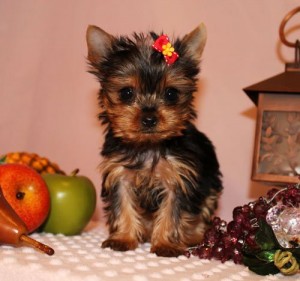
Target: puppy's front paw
[[167, 251], [119, 244]]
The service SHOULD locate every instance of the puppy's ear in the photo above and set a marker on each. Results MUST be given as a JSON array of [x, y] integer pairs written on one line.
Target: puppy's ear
[[195, 41], [99, 42]]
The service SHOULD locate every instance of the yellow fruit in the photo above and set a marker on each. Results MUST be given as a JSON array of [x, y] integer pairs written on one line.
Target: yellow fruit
[[41, 164]]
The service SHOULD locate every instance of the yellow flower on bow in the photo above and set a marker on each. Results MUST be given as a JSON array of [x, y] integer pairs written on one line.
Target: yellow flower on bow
[[167, 49]]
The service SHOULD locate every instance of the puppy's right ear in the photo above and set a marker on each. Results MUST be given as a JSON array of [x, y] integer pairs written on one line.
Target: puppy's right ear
[[98, 42]]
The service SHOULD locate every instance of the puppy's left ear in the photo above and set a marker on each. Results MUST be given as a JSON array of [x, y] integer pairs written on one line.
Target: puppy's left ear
[[195, 41]]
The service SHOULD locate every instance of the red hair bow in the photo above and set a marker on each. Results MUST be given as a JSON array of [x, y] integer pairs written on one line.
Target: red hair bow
[[163, 45]]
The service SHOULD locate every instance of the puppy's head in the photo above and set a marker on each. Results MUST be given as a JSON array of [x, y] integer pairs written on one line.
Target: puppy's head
[[144, 98]]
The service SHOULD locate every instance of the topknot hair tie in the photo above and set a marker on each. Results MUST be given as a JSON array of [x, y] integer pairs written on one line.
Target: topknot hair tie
[[162, 44]]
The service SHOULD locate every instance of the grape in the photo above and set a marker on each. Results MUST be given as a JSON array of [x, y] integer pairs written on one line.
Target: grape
[[237, 256], [225, 241], [271, 193], [260, 209], [205, 253], [250, 241]]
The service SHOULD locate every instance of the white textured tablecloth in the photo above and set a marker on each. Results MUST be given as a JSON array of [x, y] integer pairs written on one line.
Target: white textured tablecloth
[[80, 258]]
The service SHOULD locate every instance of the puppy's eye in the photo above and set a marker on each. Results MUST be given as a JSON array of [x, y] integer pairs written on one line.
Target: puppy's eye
[[171, 95], [126, 94]]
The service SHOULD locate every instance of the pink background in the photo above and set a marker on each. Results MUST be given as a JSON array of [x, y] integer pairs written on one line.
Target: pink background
[[48, 101]]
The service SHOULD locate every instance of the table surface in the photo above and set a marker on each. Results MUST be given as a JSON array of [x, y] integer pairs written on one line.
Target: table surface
[[81, 258]]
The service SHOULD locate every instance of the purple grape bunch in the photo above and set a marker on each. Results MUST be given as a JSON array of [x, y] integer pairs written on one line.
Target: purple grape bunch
[[228, 241]]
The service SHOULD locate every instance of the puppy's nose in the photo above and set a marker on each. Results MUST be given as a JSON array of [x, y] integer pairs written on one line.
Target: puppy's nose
[[149, 121]]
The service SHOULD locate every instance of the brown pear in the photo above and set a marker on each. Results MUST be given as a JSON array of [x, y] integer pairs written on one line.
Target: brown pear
[[13, 230]]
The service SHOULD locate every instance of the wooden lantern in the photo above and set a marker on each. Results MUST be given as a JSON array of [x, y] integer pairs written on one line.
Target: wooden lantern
[[277, 138]]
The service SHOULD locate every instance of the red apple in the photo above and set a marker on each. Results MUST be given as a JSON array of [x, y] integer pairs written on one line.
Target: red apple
[[26, 192]]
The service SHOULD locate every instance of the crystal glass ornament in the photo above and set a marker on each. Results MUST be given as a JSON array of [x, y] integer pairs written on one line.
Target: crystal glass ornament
[[285, 222]]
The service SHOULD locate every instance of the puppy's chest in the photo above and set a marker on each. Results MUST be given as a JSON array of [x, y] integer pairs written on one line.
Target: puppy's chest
[[151, 183], [149, 177], [154, 174]]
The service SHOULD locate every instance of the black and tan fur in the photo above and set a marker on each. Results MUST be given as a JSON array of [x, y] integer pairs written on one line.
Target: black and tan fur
[[161, 177]]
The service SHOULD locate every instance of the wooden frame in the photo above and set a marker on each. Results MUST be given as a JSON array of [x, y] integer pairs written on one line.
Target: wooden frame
[[277, 139]]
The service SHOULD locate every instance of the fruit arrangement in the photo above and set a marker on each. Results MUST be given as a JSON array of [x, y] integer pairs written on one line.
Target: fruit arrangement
[[263, 235], [36, 195]]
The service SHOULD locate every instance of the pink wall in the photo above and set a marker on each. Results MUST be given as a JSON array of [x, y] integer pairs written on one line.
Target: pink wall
[[48, 101]]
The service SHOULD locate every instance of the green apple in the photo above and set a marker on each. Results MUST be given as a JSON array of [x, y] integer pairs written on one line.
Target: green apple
[[73, 202]]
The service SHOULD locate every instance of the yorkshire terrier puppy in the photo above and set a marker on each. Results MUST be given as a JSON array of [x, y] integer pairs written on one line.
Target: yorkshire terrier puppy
[[161, 177]]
